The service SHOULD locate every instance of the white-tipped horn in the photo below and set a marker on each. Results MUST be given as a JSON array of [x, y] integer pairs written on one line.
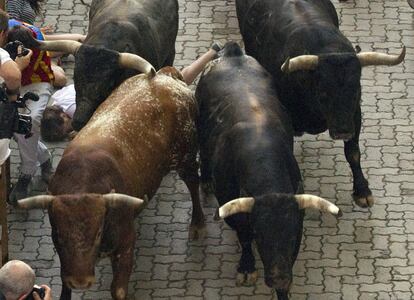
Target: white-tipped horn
[[65, 46], [239, 205], [115, 200], [374, 58], [133, 61], [41, 201], [302, 62], [306, 200]]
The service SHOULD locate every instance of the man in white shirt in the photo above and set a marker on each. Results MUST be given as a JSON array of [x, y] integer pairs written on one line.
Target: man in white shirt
[[56, 124], [10, 72]]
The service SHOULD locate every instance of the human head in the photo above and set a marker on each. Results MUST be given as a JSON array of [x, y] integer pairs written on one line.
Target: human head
[[35, 5], [16, 280], [55, 125], [4, 26], [22, 34]]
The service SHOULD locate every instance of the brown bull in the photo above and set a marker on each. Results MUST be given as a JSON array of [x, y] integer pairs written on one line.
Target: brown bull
[[143, 130]]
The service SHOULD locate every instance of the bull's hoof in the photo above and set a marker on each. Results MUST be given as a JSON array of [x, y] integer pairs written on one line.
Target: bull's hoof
[[246, 279], [120, 294], [197, 232], [364, 201]]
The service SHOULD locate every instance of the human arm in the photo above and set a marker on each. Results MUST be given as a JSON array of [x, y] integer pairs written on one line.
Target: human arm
[[10, 72], [191, 72], [65, 36]]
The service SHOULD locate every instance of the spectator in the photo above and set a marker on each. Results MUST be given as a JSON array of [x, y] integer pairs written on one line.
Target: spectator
[[17, 281], [56, 124], [26, 11], [10, 71], [36, 78]]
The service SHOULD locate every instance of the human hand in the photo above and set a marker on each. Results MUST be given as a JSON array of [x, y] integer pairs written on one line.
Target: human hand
[[23, 61], [48, 293], [79, 37], [48, 29]]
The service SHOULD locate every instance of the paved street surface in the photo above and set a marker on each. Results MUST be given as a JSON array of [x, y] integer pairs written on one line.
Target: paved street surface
[[365, 254]]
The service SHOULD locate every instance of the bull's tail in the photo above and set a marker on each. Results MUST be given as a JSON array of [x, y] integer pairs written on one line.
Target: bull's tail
[[232, 49]]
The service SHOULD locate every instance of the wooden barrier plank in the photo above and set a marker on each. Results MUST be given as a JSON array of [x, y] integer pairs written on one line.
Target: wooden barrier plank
[[4, 193]]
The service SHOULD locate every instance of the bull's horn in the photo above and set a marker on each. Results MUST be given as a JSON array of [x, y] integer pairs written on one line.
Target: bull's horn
[[133, 61], [302, 62], [115, 199], [65, 46], [41, 201], [305, 201], [239, 205], [374, 59]]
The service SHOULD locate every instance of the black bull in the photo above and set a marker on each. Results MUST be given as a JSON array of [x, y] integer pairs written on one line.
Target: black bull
[[246, 147], [316, 70], [142, 27]]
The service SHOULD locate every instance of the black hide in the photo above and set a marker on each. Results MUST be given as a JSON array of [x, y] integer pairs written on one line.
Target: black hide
[[147, 28], [246, 148], [324, 98]]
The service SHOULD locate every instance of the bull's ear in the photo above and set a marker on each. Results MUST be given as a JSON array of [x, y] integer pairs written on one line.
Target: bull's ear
[[239, 205], [306, 200], [41, 201], [115, 200]]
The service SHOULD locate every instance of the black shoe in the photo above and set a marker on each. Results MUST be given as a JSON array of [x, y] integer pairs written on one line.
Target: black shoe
[[411, 3], [46, 170], [21, 189], [216, 46]]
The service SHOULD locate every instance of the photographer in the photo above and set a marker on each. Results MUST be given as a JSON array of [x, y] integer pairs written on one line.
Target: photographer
[[10, 71], [17, 282], [37, 78]]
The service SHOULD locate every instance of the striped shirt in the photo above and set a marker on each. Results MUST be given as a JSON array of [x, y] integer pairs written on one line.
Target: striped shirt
[[21, 10]]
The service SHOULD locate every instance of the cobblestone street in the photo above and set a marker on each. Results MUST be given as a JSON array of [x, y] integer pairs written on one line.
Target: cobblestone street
[[365, 254]]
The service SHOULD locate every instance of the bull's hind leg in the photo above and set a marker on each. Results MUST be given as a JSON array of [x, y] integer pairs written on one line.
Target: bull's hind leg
[[362, 194], [189, 174]]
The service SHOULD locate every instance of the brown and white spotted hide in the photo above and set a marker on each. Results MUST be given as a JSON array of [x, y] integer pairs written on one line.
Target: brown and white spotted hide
[[137, 135]]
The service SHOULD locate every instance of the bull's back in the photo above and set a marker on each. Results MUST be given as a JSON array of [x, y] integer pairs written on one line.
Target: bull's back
[[283, 26], [147, 28], [142, 122], [237, 90]]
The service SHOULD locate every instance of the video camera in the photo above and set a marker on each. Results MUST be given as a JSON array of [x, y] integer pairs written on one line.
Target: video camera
[[11, 121], [12, 48], [39, 290]]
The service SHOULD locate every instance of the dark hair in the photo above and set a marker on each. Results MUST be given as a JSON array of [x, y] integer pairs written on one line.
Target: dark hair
[[35, 5], [22, 34], [51, 125], [4, 20]]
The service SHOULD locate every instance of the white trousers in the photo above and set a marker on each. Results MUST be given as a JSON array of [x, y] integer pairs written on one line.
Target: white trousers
[[32, 151]]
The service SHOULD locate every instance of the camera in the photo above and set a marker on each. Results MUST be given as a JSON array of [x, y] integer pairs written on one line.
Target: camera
[[11, 121], [12, 48], [39, 290]]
